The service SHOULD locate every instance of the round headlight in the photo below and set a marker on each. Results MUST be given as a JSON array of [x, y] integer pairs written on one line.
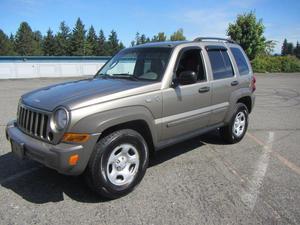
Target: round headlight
[[60, 119]]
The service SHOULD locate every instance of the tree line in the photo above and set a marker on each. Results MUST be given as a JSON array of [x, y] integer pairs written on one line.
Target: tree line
[[70, 42], [247, 30], [66, 42], [161, 36], [288, 48]]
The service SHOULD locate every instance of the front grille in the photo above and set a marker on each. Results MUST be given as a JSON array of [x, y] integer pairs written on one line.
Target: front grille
[[33, 122]]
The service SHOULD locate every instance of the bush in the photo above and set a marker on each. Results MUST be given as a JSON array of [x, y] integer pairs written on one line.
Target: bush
[[263, 64]]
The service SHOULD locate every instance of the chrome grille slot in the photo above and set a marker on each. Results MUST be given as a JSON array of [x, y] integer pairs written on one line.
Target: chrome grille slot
[[28, 121], [44, 135], [33, 122]]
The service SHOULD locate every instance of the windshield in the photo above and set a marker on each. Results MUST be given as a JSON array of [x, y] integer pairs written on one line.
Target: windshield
[[137, 64]]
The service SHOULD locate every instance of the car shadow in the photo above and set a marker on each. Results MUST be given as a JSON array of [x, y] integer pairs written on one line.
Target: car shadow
[[173, 151], [38, 184]]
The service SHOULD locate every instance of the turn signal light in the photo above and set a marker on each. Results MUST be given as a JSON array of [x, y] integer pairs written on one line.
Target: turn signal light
[[73, 160], [75, 137]]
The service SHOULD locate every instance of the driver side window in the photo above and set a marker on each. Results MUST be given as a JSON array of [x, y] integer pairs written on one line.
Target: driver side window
[[191, 60]]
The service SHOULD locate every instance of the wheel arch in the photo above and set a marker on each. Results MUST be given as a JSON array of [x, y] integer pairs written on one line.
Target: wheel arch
[[246, 100], [242, 95], [137, 118], [138, 125]]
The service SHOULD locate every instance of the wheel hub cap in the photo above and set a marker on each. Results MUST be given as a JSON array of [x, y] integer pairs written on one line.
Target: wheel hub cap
[[239, 124], [123, 164], [120, 163]]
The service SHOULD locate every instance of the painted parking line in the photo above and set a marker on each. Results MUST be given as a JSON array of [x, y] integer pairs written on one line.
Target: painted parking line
[[250, 193], [282, 159], [245, 181]]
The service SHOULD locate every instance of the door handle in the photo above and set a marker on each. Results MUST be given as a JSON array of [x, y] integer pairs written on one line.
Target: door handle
[[203, 89], [234, 83]]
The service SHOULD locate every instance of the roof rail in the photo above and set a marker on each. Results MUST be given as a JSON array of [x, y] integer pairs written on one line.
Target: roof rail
[[215, 38]]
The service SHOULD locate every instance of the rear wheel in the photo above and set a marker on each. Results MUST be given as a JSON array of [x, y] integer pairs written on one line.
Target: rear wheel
[[118, 163], [237, 127]]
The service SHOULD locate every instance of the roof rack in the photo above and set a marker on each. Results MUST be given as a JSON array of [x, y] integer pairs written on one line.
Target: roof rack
[[214, 38]]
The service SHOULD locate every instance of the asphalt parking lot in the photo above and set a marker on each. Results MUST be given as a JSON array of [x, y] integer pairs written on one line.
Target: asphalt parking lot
[[200, 181]]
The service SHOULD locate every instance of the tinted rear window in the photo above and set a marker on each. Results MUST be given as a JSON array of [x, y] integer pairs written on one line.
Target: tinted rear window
[[240, 61], [220, 63]]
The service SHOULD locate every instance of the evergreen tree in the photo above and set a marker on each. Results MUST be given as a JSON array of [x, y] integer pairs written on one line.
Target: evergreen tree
[[143, 39], [78, 39], [6, 45], [91, 42], [49, 44], [178, 35], [12, 38], [113, 43], [63, 40], [248, 32], [37, 43], [24, 40], [102, 45], [121, 46], [297, 50], [290, 49], [284, 47], [154, 38], [140, 39], [159, 37], [137, 39]]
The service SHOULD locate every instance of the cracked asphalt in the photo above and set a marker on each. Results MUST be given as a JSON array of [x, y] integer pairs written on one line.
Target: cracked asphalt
[[200, 181]]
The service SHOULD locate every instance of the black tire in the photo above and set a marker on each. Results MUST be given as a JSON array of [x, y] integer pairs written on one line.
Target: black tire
[[227, 131], [96, 173]]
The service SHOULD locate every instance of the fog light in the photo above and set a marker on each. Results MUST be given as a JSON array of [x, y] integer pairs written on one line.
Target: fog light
[[73, 160], [75, 137]]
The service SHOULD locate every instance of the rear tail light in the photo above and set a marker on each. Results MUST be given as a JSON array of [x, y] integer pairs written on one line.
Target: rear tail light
[[253, 83]]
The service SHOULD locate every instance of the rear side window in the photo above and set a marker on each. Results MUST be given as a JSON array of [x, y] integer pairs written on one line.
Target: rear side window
[[220, 63], [240, 61]]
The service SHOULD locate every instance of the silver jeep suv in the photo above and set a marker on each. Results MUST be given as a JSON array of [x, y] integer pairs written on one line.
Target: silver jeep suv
[[143, 99]]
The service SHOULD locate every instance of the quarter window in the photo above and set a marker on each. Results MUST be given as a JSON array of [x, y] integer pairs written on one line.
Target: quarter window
[[220, 63], [240, 61]]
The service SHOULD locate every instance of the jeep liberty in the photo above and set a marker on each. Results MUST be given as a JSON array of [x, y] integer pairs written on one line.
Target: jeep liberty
[[143, 99]]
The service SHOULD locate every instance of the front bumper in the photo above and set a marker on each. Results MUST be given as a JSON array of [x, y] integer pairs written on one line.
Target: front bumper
[[52, 156]]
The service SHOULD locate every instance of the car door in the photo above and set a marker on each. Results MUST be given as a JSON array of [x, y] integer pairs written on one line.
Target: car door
[[224, 81], [186, 107]]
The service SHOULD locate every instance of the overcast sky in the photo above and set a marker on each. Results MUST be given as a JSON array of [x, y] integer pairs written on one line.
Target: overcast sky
[[197, 18]]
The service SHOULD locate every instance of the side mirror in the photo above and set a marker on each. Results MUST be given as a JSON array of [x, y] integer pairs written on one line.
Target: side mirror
[[187, 77]]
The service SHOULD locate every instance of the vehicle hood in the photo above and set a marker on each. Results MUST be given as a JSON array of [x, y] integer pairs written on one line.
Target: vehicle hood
[[77, 94]]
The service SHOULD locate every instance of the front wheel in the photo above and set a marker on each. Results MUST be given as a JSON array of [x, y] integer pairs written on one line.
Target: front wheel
[[118, 163], [237, 127]]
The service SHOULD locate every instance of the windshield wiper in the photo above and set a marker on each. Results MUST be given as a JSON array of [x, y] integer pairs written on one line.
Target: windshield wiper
[[124, 76]]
